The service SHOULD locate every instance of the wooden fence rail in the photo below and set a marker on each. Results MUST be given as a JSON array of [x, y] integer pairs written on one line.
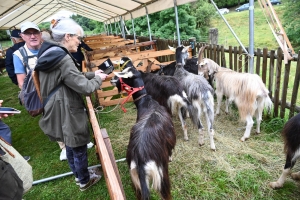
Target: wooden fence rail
[[281, 79]]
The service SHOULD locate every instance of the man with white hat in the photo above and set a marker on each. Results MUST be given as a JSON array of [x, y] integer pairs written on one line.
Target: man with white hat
[[31, 34]]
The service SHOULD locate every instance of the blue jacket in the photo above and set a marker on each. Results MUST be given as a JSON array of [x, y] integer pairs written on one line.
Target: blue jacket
[[9, 63]]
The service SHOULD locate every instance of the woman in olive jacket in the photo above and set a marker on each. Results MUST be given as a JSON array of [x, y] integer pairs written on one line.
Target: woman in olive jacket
[[65, 117]]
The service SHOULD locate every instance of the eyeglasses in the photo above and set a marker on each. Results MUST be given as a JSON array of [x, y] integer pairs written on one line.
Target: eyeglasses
[[32, 33], [78, 37]]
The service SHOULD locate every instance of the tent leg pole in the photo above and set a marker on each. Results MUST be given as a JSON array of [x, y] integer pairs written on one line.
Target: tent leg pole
[[67, 174]]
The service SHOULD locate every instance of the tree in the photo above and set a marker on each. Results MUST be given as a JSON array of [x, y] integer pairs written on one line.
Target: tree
[[291, 22]]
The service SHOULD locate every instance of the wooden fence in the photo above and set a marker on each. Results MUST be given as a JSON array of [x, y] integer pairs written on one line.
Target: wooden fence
[[281, 79]]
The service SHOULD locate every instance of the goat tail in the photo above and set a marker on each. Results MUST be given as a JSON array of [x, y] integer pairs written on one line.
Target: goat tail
[[268, 104], [138, 177], [193, 112]]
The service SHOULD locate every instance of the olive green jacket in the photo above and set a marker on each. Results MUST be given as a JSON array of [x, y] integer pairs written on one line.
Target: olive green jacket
[[65, 117]]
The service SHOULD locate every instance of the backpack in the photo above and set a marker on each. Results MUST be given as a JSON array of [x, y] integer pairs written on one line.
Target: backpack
[[29, 95], [11, 186]]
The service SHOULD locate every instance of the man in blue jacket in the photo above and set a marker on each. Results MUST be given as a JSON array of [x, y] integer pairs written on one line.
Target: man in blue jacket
[[9, 64]]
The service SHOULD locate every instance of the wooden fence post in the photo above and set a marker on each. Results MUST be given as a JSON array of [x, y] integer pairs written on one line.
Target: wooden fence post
[[213, 36]]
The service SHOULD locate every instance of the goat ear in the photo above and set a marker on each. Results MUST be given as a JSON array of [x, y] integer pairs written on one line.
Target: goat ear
[[172, 48]]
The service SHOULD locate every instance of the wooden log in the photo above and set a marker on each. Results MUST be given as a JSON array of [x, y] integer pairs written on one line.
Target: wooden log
[[115, 188]]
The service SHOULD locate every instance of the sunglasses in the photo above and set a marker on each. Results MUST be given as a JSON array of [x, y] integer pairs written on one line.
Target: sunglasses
[[78, 37], [36, 33]]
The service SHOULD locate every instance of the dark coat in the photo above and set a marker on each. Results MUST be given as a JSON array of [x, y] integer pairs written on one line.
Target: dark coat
[[9, 63]]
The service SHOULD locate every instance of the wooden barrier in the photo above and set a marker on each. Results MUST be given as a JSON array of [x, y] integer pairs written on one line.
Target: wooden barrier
[[107, 159]]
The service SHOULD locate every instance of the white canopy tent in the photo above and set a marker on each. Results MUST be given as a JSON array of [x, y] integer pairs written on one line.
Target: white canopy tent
[[14, 12]]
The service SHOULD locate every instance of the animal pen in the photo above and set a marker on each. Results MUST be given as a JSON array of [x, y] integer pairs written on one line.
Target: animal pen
[[146, 54]]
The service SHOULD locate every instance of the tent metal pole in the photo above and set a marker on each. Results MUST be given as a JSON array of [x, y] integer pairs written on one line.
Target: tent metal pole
[[132, 22], [236, 37], [104, 23], [122, 26], [67, 174], [148, 21], [251, 36], [116, 26], [110, 27], [177, 24]]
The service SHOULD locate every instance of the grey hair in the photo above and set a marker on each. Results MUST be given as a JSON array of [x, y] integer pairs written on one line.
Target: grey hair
[[64, 26]]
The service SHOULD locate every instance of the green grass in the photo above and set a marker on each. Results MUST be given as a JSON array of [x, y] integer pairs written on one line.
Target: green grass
[[239, 22]]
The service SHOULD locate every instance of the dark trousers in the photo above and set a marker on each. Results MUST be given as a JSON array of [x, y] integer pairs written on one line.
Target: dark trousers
[[5, 132], [78, 162]]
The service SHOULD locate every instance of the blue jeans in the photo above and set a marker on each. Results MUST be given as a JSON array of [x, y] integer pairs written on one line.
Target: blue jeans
[[78, 162], [5, 132]]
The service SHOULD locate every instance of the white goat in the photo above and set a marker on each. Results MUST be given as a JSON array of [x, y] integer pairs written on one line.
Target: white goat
[[247, 91]]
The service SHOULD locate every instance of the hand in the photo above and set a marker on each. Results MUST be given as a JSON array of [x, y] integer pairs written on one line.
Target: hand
[[3, 115], [100, 73]]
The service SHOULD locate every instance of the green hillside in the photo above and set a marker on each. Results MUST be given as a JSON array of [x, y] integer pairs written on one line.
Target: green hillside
[[239, 22]]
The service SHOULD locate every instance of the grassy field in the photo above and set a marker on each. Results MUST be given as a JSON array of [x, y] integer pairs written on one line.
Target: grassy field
[[239, 22]]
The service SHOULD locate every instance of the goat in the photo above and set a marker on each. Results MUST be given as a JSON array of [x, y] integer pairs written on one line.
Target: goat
[[291, 136], [247, 91], [152, 138], [199, 92], [168, 92]]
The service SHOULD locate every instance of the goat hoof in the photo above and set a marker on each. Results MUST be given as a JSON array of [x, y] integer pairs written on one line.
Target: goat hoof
[[296, 176], [275, 185], [186, 139], [243, 139]]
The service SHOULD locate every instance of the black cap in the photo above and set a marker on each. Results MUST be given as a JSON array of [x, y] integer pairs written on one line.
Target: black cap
[[16, 33]]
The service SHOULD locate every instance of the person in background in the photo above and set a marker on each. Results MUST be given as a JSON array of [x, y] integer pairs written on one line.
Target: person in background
[[78, 55], [9, 63], [65, 118], [5, 131]]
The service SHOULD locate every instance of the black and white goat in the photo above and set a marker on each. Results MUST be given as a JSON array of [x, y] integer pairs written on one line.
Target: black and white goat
[[152, 138], [291, 136], [198, 90], [168, 92], [247, 91]]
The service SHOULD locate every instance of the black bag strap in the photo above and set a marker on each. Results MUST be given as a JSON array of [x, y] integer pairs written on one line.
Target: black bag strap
[[25, 56]]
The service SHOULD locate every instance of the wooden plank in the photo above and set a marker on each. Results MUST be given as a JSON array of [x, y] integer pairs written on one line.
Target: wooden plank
[[104, 45], [230, 58], [258, 55], [120, 54], [284, 89], [264, 65], [277, 83], [235, 58], [271, 74], [240, 64], [112, 156], [113, 102], [139, 56], [295, 88], [114, 187]]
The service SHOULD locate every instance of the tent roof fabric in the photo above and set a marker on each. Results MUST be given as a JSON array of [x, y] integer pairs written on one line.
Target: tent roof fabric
[[14, 12]]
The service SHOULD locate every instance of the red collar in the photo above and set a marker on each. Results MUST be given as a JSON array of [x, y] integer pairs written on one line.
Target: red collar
[[130, 91]]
